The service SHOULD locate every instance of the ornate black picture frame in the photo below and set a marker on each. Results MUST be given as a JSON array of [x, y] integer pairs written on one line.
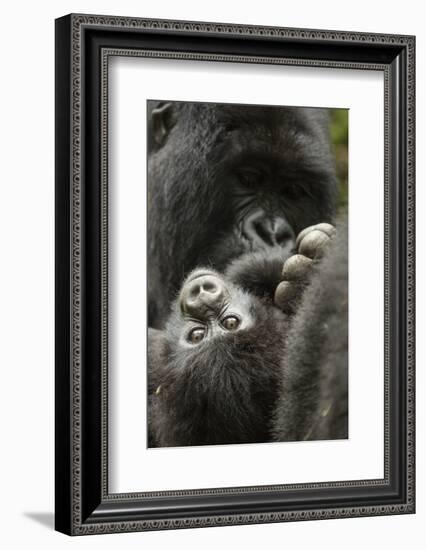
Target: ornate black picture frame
[[84, 44]]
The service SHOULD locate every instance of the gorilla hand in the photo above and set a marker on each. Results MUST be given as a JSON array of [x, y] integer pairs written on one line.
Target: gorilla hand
[[311, 245]]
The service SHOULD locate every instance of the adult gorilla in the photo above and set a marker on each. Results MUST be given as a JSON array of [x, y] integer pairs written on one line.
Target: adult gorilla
[[224, 180]]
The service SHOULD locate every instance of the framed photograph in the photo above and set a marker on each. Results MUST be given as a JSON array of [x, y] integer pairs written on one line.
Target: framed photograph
[[234, 274]]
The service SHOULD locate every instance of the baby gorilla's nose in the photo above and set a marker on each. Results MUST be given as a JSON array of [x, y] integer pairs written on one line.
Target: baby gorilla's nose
[[203, 293]]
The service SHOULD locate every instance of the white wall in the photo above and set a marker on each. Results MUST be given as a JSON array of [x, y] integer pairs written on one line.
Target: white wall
[[26, 289]]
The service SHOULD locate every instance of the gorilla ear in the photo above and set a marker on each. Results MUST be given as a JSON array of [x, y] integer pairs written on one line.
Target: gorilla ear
[[163, 118]]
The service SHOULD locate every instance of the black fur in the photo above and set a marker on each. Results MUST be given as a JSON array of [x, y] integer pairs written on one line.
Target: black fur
[[201, 186]]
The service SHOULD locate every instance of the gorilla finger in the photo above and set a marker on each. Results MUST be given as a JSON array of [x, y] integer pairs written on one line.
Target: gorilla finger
[[326, 228], [287, 294], [303, 234], [314, 244], [297, 267]]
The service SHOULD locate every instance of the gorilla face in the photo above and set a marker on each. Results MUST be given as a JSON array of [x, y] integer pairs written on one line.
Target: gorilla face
[[217, 369], [211, 308], [268, 162], [225, 180]]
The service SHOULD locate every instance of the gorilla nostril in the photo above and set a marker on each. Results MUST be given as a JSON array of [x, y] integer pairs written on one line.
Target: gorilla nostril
[[194, 291], [201, 287], [282, 231], [265, 230], [283, 236], [209, 286], [257, 229]]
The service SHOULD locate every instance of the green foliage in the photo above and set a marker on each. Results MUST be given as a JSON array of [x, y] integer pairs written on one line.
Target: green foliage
[[339, 120]]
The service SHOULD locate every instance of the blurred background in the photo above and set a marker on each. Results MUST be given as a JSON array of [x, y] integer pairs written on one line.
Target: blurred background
[[339, 137]]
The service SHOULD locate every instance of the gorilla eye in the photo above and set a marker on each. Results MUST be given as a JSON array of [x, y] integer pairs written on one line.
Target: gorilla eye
[[196, 335], [231, 323], [293, 192], [250, 178]]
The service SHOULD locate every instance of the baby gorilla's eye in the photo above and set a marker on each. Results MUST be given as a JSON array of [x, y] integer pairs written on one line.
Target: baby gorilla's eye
[[196, 335], [231, 322]]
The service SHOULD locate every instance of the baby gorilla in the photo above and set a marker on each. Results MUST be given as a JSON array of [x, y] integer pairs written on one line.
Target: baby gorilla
[[215, 372]]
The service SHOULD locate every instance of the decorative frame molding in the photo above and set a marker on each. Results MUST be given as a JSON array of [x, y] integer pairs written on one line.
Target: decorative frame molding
[[84, 43]]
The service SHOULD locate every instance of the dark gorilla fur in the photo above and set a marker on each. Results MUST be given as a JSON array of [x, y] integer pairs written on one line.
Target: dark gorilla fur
[[221, 392], [313, 398], [210, 166], [282, 379]]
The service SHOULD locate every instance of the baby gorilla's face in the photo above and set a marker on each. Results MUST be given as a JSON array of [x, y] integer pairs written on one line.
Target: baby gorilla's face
[[218, 372], [210, 308]]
